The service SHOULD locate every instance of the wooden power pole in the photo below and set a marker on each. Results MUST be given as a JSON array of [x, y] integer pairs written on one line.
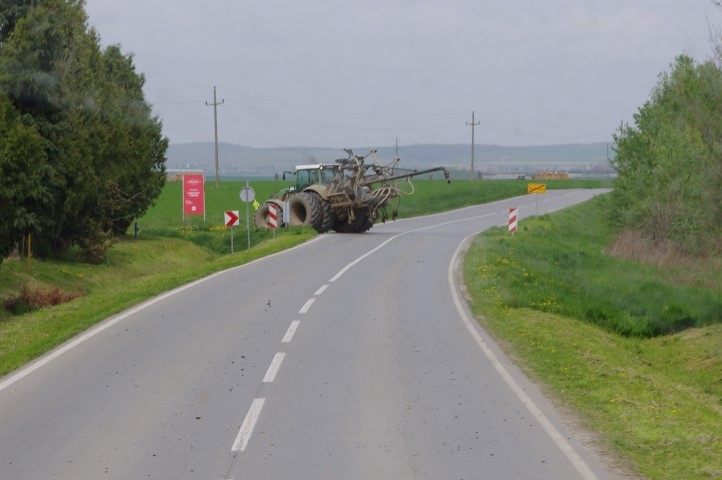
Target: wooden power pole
[[215, 130]]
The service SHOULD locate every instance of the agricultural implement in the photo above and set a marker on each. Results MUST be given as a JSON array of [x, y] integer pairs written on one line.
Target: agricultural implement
[[346, 196]]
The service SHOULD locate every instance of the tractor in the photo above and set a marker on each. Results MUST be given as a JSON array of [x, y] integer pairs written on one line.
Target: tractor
[[346, 196]]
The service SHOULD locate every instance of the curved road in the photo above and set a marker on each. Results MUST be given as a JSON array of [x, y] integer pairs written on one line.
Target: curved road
[[349, 357]]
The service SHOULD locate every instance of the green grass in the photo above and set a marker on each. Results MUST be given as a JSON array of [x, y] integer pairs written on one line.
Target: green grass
[[166, 219], [656, 400], [556, 264]]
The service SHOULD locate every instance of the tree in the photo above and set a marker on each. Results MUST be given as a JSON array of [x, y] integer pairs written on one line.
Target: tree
[[670, 162], [23, 174], [104, 149], [133, 161], [10, 12]]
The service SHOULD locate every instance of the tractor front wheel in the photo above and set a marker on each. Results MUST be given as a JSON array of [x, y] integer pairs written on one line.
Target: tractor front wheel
[[306, 209]]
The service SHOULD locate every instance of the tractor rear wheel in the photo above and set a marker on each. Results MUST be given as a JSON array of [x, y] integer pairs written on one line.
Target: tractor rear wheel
[[328, 217], [361, 223]]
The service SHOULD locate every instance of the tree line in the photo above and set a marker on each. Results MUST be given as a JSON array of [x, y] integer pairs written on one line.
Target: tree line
[[81, 154], [669, 186]]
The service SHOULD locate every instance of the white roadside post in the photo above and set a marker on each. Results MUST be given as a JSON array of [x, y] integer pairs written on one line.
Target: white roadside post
[[247, 196], [273, 218], [513, 220]]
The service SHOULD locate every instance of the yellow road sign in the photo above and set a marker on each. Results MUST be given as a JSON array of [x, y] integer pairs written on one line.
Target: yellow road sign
[[536, 188]]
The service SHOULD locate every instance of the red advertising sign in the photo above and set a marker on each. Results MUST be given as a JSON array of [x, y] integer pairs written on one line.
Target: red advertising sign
[[194, 202]]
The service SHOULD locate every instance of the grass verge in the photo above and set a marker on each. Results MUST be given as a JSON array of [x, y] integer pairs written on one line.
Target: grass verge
[[656, 398]]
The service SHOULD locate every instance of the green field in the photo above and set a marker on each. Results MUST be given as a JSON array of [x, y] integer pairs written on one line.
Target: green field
[[634, 350], [428, 196]]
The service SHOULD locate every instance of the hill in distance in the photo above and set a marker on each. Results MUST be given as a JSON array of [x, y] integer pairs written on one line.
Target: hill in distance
[[490, 160]]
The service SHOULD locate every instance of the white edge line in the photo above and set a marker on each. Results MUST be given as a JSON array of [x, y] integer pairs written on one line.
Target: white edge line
[[99, 328], [550, 429], [307, 305], [291, 331], [249, 423], [273, 368], [321, 290], [347, 267]]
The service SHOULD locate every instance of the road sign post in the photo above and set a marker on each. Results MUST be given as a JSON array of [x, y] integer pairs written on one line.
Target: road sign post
[[536, 188], [247, 196], [231, 219]]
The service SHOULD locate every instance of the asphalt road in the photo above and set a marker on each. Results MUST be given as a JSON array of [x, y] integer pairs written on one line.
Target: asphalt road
[[350, 357]]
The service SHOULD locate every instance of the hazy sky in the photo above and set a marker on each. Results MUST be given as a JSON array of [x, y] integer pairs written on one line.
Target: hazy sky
[[340, 73]]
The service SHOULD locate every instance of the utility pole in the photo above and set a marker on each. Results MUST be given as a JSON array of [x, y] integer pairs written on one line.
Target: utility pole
[[215, 129], [473, 174]]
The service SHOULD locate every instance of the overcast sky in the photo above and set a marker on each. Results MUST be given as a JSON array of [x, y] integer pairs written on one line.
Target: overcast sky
[[340, 73]]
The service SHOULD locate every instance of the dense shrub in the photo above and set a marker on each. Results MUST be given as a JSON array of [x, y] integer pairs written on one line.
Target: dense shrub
[[29, 299], [669, 163]]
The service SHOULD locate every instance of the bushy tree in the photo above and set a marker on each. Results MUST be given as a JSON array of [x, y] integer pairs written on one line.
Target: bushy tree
[[133, 165], [104, 149], [670, 162], [23, 175]]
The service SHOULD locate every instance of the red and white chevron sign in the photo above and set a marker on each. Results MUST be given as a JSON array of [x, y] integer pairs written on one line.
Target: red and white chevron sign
[[230, 218], [272, 216], [513, 216]]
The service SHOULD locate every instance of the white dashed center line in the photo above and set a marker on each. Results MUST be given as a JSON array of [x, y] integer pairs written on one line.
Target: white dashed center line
[[273, 368], [248, 424], [307, 305], [291, 331]]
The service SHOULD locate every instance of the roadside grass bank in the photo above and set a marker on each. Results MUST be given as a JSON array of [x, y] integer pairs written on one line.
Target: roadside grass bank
[[635, 349], [134, 271]]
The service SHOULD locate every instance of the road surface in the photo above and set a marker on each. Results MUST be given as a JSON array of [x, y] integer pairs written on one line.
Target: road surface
[[350, 357]]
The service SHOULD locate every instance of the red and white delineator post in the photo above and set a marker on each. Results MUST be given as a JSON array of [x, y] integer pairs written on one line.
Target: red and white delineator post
[[513, 220], [272, 216]]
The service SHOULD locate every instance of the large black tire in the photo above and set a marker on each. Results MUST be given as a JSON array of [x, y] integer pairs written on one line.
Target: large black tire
[[361, 223], [260, 218], [328, 217], [305, 209]]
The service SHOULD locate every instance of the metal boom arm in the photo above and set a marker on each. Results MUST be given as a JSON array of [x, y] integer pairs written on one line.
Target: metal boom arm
[[383, 178]]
